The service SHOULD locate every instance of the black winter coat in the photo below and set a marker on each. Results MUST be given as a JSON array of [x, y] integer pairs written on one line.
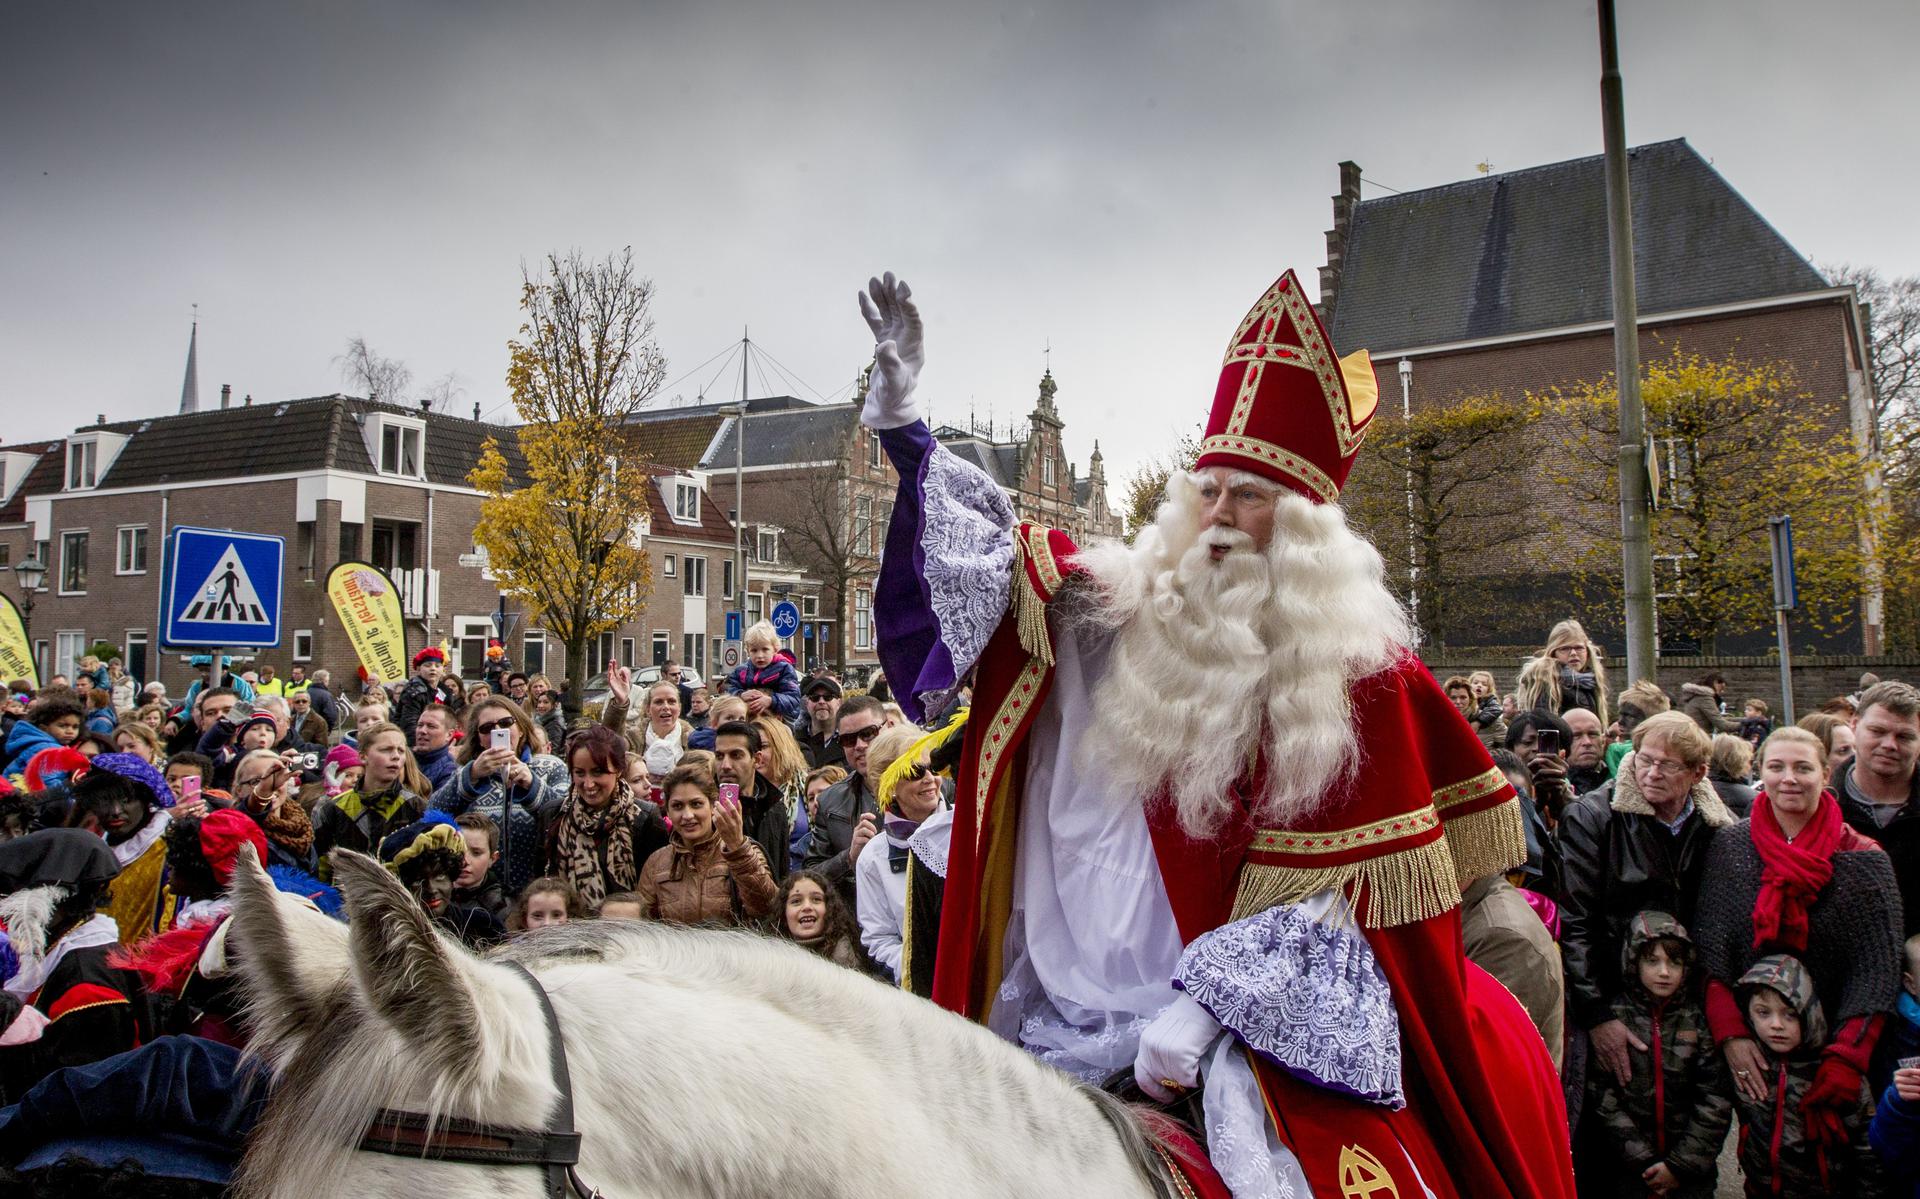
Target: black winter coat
[[1618, 860], [1901, 839]]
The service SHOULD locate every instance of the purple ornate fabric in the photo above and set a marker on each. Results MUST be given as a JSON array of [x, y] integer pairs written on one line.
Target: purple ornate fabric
[[1305, 994], [945, 576]]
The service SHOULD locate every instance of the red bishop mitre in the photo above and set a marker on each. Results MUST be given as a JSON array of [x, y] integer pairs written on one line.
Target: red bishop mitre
[[1286, 408]]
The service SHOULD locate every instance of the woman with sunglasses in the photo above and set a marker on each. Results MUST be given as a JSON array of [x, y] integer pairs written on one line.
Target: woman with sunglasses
[[912, 798], [264, 788], [506, 773]]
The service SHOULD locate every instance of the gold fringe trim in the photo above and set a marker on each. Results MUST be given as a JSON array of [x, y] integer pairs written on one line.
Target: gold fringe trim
[[1489, 842], [1030, 616], [905, 981], [1389, 889]]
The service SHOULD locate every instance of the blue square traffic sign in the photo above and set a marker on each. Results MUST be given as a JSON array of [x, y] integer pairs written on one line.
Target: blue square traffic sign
[[220, 588]]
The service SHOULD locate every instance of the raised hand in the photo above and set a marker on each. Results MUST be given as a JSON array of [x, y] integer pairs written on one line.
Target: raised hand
[[898, 353], [620, 682]]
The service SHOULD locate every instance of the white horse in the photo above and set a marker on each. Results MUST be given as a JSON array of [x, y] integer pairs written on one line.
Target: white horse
[[704, 1064]]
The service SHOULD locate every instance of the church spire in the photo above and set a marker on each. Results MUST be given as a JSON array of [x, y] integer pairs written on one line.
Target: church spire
[[190, 385]]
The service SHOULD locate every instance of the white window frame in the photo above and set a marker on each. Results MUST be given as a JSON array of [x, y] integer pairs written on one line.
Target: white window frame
[[402, 426], [863, 525], [303, 645], [693, 580], [669, 566], [862, 618], [876, 454], [534, 637], [64, 662], [627, 648], [693, 648], [1046, 466], [83, 464], [726, 577], [662, 647], [809, 607], [766, 536], [137, 637], [60, 578], [123, 536], [686, 501]]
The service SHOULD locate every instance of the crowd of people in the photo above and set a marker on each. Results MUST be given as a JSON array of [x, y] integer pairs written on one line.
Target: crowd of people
[[1718, 921]]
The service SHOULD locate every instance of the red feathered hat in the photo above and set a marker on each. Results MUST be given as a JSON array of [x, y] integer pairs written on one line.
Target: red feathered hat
[[57, 760], [430, 654], [222, 833], [1286, 408]]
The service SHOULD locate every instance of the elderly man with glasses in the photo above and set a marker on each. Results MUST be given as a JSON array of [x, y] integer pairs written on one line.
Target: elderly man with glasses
[[1638, 844], [849, 814]]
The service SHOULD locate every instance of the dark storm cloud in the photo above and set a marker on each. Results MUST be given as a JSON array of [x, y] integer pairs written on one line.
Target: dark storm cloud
[[1118, 179]]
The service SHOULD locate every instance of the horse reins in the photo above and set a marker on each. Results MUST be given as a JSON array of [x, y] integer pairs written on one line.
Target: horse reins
[[555, 1148]]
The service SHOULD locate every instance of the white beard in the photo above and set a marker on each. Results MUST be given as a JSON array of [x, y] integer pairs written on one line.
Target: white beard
[[1214, 661]]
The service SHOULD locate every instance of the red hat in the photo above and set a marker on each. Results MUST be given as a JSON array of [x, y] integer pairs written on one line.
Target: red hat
[[1286, 408], [430, 654], [222, 833]]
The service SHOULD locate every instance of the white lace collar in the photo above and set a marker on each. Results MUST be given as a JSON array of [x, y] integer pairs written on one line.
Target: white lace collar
[[129, 851]]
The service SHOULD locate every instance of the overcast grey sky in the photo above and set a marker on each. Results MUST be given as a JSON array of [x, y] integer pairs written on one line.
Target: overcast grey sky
[[1122, 179]]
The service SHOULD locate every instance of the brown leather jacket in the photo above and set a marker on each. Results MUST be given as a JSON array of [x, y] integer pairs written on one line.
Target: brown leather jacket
[[705, 885]]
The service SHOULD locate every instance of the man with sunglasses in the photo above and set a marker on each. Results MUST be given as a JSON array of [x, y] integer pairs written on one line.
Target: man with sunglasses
[[848, 815], [818, 732]]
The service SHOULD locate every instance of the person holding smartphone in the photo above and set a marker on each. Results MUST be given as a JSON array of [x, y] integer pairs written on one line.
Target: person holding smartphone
[[506, 773], [711, 872]]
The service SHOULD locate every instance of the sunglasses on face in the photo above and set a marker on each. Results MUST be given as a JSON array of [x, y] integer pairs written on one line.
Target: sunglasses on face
[[861, 736], [916, 772], [505, 722]]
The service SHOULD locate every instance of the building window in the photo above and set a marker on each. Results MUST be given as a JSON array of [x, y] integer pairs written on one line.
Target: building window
[[756, 605], [70, 645], [768, 549], [669, 565], [862, 618], [694, 581], [876, 456], [863, 526], [303, 645], [626, 652], [400, 449], [599, 653], [82, 459], [662, 646], [1046, 467], [135, 656], [693, 648], [73, 563], [726, 578], [6, 554], [809, 606], [303, 545], [533, 653], [686, 501], [395, 545], [130, 556], [470, 645]]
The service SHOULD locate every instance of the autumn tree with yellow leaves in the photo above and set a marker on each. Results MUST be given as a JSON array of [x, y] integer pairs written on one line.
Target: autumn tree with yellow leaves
[[564, 538], [1736, 442], [1434, 492]]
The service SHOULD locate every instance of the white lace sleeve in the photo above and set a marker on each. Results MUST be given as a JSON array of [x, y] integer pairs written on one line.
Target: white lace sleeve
[[967, 545]]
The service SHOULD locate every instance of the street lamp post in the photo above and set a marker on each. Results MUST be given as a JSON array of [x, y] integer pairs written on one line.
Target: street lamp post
[[32, 574]]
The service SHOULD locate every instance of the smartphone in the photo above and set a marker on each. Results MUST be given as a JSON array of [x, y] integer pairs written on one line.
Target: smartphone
[[1549, 740], [1907, 1063], [500, 739], [729, 793], [190, 788]]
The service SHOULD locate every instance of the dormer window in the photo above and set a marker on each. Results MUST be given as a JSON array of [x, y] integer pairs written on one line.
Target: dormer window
[[686, 501], [82, 464], [403, 448], [1046, 467], [768, 549]]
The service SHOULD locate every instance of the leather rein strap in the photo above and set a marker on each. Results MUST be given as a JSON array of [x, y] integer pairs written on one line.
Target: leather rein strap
[[555, 1148]]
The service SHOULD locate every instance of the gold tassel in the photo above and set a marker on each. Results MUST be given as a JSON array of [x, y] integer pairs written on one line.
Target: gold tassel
[[1030, 616], [1488, 842], [1390, 889]]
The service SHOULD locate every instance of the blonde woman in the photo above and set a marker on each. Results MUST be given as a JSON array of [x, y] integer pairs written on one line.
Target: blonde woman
[[783, 763], [1568, 673], [392, 794]]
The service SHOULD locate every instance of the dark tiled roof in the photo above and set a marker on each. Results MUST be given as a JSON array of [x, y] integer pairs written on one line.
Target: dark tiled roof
[[323, 432], [677, 443], [43, 476], [800, 433], [1527, 250], [1082, 492]]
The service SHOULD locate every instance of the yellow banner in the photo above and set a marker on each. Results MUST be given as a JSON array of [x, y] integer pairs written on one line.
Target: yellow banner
[[369, 607], [16, 655]]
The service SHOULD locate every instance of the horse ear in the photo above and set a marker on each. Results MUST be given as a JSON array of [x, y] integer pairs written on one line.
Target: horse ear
[[290, 958], [407, 972]]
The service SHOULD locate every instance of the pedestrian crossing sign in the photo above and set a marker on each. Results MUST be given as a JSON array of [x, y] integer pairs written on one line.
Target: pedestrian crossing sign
[[221, 589]]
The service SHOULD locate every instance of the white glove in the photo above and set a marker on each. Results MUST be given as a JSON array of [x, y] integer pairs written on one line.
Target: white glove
[[1172, 1046], [898, 353]]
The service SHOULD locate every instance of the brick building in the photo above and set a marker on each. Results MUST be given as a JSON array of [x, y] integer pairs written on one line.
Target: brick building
[[817, 492], [1501, 284]]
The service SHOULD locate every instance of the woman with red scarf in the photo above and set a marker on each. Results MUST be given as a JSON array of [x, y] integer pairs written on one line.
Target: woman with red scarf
[[1795, 879]]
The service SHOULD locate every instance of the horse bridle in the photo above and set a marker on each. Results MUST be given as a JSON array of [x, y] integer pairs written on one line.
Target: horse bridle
[[555, 1148]]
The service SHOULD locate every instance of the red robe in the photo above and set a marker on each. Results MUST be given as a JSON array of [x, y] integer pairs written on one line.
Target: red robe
[[1425, 812]]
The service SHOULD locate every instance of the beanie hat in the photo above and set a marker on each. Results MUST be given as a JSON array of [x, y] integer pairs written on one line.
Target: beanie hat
[[251, 721], [139, 770], [430, 654], [339, 760], [222, 833]]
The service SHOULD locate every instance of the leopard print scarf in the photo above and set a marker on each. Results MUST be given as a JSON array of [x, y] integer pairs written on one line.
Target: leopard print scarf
[[579, 837]]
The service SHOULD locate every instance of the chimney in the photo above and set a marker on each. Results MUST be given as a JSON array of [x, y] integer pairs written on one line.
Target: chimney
[[1343, 205], [426, 405], [100, 421], [226, 395], [476, 411], [248, 402]]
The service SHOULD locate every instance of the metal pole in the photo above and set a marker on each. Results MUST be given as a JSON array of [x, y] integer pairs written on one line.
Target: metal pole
[[739, 475], [1413, 555], [1786, 666], [1636, 547]]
